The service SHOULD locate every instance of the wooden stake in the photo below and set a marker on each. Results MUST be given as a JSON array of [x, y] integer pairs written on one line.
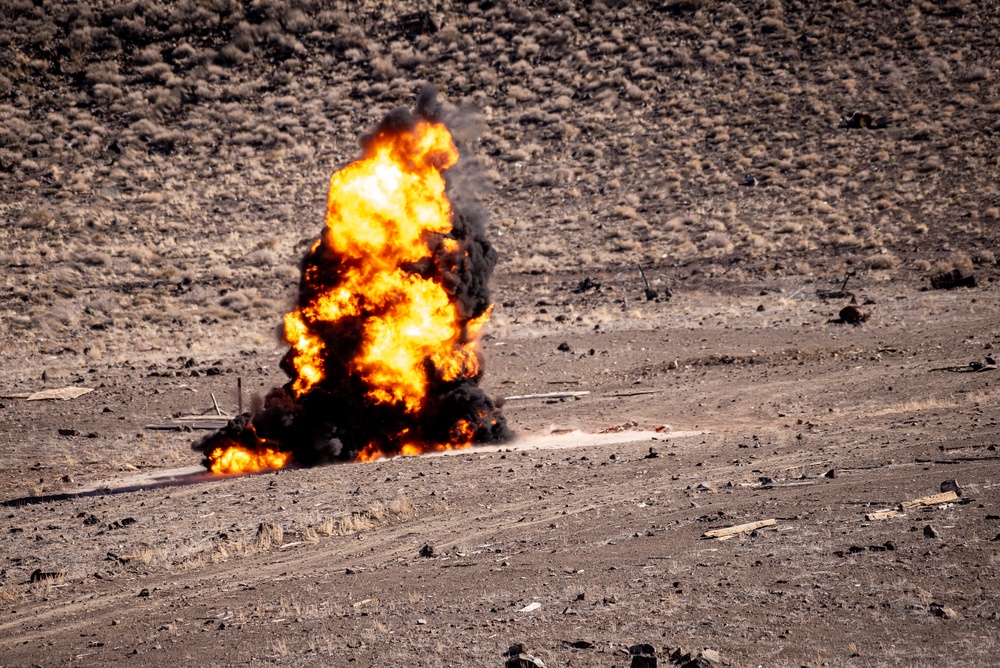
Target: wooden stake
[[729, 532], [239, 396], [215, 404]]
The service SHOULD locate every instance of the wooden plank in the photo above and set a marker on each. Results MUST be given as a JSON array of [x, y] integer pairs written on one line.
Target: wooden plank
[[883, 514], [729, 532], [932, 500], [61, 393], [546, 395]]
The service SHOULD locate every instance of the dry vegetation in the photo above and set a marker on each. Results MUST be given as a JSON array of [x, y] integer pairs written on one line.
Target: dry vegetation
[[163, 164]]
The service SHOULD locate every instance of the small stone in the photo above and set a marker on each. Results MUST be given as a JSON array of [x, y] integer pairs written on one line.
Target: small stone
[[931, 532], [144, 593], [427, 551], [421, 621], [712, 655], [563, 347], [832, 473], [951, 486], [68, 432]]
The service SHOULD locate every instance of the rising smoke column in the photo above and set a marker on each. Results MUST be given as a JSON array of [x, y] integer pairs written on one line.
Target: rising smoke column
[[384, 338]]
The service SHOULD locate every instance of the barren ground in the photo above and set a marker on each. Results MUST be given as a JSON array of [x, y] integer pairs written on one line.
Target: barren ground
[[163, 166]]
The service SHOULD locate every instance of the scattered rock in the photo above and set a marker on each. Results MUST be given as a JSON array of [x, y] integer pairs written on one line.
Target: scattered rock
[[951, 486], [931, 532], [531, 607], [832, 473], [862, 121], [586, 284], [939, 610], [653, 454], [579, 644], [68, 432], [144, 593], [643, 656], [91, 521], [518, 658], [427, 551], [564, 347]]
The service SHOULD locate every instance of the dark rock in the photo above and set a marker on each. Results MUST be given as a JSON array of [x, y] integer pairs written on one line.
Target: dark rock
[[889, 545], [931, 532], [953, 279], [91, 521], [643, 656], [427, 551], [564, 347], [586, 284], [951, 486], [939, 610], [144, 593], [852, 315], [68, 432], [832, 473]]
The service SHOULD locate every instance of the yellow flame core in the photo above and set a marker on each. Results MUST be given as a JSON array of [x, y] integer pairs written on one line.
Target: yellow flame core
[[237, 459], [386, 212]]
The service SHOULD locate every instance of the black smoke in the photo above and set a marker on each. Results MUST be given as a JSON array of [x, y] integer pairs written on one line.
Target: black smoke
[[335, 419]]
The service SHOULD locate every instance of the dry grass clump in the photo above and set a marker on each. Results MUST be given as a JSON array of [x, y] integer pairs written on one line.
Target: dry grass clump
[[191, 130]]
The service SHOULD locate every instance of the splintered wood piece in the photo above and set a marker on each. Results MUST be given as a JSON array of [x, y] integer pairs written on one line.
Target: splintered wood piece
[[546, 395], [883, 514], [62, 393], [932, 500], [729, 532]]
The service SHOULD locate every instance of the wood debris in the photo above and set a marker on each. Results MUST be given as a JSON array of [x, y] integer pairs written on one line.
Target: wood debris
[[547, 395], [62, 393], [729, 532], [932, 500], [922, 502]]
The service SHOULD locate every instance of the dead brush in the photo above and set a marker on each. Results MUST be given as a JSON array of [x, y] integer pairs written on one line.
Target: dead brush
[[269, 534]]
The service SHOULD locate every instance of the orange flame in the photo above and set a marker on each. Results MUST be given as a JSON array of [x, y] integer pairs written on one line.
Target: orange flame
[[388, 220], [386, 212], [238, 459]]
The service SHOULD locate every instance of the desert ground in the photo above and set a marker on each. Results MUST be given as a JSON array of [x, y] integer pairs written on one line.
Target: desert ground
[[163, 167]]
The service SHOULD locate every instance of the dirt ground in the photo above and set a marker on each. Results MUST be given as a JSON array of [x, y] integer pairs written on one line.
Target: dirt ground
[[325, 566]]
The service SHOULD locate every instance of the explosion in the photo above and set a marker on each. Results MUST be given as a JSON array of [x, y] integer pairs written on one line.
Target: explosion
[[393, 298]]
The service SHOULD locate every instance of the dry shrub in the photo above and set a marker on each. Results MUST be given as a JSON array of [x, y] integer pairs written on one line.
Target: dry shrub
[[882, 261], [269, 534]]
